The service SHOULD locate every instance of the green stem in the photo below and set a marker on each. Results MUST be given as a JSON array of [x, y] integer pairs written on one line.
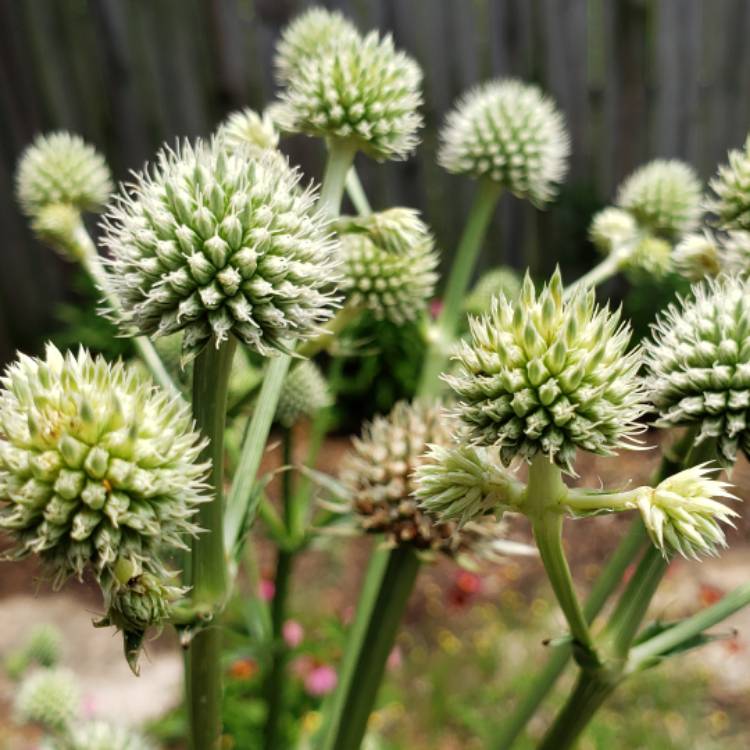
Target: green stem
[[541, 685], [340, 159], [356, 193], [206, 569], [485, 201], [599, 273], [389, 581]]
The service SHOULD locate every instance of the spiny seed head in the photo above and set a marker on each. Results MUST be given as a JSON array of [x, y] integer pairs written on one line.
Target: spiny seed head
[[62, 168], [612, 228], [101, 735], [462, 483], [730, 202], [511, 133], [380, 474], [697, 256], [698, 362], [96, 464], [220, 243], [499, 280], [664, 197], [396, 230], [682, 513], [309, 35], [304, 393], [545, 375], [395, 286], [48, 697], [358, 89], [249, 131]]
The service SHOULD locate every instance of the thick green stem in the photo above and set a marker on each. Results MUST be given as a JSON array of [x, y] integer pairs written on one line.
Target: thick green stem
[[340, 159], [487, 196], [544, 681], [608, 267], [206, 569], [389, 581]]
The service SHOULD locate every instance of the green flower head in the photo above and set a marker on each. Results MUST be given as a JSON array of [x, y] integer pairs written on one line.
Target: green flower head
[[304, 393], [249, 131], [730, 202]]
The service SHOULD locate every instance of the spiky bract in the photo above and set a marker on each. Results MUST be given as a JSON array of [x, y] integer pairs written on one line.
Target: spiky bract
[[303, 394], [511, 133], [220, 243]]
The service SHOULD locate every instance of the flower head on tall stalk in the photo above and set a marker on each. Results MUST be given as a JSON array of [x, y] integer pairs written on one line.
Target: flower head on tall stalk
[[698, 362], [250, 131], [510, 133], [730, 199], [218, 242], [304, 393], [544, 375], [97, 466], [357, 90]]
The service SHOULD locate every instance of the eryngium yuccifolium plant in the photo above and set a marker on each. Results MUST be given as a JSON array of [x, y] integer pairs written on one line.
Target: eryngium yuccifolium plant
[[62, 168], [394, 287], [396, 230], [96, 464], [730, 202], [101, 735], [309, 35], [540, 374], [511, 133], [220, 243], [500, 280], [247, 130], [303, 394], [681, 514], [697, 256], [359, 90], [48, 697], [698, 363], [664, 197]]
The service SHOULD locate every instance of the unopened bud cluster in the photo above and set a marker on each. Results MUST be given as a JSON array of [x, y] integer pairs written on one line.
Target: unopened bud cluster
[[303, 394]]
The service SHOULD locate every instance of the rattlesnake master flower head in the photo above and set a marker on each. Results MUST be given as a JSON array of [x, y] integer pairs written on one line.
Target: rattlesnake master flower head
[[303, 394], [698, 363], [682, 515], [380, 475], [360, 90], [247, 130], [394, 286], [730, 202], [611, 228], [96, 464], [396, 230], [100, 735], [220, 243], [511, 133], [540, 374], [62, 168], [697, 256], [309, 35], [664, 197], [48, 697]]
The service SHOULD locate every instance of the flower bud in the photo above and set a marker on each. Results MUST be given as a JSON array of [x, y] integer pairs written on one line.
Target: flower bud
[[730, 202], [61, 168], [508, 132], [540, 374], [304, 393], [682, 515], [216, 243], [697, 256], [499, 280], [48, 697], [698, 362], [664, 197], [246, 129], [96, 464], [360, 90], [612, 228]]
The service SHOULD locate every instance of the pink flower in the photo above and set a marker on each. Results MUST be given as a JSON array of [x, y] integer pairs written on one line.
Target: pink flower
[[436, 307], [266, 589], [293, 633], [394, 658], [321, 680]]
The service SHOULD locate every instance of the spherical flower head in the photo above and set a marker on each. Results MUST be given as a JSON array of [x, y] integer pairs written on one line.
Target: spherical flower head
[[307, 36], [682, 515], [664, 197], [730, 202], [500, 280], [394, 286], [249, 131], [511, 133], [612, 228], [540, 374], [359, 90], [218, 243], [697, 256], [48, 697], [96, 464], [62, 168], [303, 394], [652, 255], [101, 735], [698, 363], [396, 230]]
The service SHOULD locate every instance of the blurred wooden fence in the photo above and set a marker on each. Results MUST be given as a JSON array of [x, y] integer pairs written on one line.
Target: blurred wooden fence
[[636, 79]]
